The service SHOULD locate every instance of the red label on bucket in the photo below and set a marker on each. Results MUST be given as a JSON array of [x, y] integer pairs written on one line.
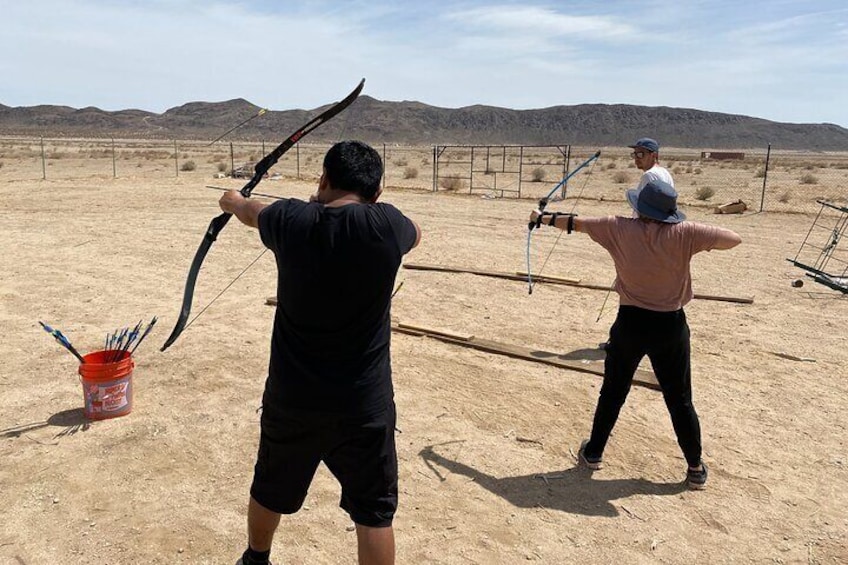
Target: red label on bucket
[[114, 397]]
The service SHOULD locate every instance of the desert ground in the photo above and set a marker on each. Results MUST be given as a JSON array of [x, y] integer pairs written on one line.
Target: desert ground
[[486, 442]]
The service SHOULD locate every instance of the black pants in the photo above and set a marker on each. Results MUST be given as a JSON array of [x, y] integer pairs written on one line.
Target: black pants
[[664, 338]]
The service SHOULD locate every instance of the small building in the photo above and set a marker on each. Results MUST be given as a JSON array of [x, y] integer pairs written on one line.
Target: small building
[[722, 155]]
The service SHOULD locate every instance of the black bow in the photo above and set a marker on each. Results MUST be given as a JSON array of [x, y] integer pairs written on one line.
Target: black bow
[[218, 223]]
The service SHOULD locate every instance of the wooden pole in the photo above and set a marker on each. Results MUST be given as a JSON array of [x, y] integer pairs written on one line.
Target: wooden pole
[[43, 162]]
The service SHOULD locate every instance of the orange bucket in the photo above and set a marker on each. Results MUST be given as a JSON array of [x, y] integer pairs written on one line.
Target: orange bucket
[[106, 385]]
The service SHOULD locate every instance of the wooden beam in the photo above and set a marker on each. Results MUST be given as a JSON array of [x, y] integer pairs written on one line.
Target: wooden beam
[[522, 276], [642, 377]]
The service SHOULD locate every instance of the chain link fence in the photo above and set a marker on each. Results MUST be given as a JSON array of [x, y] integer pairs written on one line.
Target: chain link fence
[[764, 179]]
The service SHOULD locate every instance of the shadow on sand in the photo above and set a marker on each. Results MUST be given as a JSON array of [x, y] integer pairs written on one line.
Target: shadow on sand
[[573, 490], [71, 421]]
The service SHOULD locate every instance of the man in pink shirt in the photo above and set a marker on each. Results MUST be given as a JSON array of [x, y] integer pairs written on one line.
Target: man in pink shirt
[[651, 253]]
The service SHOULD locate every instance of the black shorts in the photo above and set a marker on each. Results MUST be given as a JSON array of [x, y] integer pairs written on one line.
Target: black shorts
[[359, 451]]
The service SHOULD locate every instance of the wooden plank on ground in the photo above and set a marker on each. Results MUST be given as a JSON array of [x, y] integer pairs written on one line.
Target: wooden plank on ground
[[429, 331], [642, 378], [549, 278], [522, 276]]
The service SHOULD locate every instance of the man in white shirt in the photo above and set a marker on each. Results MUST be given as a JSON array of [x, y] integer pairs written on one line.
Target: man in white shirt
[[646, 153]]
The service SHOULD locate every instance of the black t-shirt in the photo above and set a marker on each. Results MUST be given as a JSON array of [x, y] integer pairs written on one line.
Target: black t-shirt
[[336, 270]]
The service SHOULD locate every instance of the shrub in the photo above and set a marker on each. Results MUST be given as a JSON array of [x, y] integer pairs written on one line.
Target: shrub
[[1, 164], [400, 162], [222, 167], [784, 197], [188, 166], [677, 170], [704, 193], [538, 174], [621, 177], [809, 178], [451, 183], [610, 165], [761, 173], [410, 173]]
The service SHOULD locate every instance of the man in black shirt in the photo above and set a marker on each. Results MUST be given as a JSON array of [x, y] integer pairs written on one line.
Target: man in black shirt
[[328, 396]]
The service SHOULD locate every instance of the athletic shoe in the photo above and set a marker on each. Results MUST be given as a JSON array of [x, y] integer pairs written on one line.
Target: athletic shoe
[[593, 463], [697, 480]]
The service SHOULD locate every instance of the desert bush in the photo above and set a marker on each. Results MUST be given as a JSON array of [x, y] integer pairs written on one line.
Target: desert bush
[[1, 164], [410, 173], [621, 177], [677, 170], [222, 167], [704, 193], [698, 171], [610, 165], [538, 174], [400, 162], [451, 183], [785, 197], [809, 178], [188, 166], [761, 173], [688, 168]]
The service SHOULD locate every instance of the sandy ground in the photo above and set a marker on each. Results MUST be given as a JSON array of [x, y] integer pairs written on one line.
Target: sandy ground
[[486, 442]]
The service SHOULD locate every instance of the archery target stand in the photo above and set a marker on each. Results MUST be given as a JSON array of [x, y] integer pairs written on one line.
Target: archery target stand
[[823, 254]]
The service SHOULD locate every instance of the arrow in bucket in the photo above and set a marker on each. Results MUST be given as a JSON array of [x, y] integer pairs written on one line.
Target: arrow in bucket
[[144, 335], [122, 348], [60, 337]]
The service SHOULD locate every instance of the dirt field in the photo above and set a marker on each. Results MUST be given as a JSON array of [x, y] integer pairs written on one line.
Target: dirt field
[[486, 442]]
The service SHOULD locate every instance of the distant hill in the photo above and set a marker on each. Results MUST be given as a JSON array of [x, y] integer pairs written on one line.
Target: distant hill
[[416, 123]]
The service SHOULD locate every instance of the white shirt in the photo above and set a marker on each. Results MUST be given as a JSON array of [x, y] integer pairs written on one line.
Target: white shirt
[[655, 173]]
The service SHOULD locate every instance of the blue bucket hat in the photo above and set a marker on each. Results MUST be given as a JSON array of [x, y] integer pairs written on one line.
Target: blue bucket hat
[[656, 200], [646, 143]]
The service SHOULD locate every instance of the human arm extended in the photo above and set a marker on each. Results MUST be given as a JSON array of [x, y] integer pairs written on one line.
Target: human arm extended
[[245, 209], [564, 221], [726, 239]]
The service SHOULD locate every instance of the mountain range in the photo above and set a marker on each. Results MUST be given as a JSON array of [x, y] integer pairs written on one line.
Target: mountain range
[[416, 123]]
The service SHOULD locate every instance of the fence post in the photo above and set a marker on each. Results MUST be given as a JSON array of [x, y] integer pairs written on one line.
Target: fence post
[[43, 162], [566, 163], [435, 168], [520, 168], [765, 178], [176, 160], [114, 165], [471, 173]]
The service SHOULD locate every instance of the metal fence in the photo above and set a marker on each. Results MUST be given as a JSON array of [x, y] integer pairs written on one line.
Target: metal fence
[[764, 179]]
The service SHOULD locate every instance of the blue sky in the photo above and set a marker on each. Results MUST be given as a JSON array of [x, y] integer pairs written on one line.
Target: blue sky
[[780, 60]]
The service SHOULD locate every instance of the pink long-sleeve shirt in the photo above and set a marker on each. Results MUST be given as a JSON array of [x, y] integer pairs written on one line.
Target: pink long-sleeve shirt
[[652, 259]]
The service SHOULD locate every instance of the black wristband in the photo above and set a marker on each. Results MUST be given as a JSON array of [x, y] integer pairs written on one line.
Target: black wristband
[[570, 227], [554, 217]]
